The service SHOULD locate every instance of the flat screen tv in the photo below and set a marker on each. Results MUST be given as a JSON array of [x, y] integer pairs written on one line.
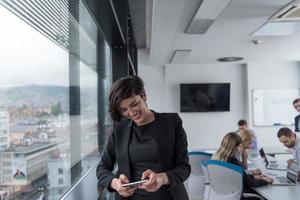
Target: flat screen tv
[[205, 97]]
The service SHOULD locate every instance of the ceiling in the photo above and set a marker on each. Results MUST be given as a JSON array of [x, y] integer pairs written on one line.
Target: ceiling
[[229, 35]]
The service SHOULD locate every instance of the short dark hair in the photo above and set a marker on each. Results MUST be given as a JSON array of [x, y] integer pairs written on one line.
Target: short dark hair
[[123, 89], [296, 101], [242, 122], [284, 132]]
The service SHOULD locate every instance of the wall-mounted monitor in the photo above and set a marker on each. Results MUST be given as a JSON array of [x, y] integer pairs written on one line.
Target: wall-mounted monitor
[[205, 97]]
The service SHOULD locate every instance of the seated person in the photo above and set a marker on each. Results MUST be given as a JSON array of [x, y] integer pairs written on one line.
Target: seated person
[[247, 138], [242, 125], [230, 149], [290, 140]]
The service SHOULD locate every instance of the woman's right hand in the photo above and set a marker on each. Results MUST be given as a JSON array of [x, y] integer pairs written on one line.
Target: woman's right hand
[[123, 191], [256, 171], [267, 179]]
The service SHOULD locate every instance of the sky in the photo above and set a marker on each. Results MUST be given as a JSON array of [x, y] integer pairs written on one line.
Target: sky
[[28, 57]]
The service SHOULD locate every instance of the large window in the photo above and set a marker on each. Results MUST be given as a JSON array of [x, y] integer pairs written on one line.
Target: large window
[[55, 68]]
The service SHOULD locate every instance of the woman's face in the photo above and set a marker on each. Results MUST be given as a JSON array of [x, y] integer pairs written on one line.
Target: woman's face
[[247, 144], [239, 149], [134, 108]]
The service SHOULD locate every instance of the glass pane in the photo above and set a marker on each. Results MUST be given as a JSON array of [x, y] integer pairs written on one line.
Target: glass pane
[[49, 93]]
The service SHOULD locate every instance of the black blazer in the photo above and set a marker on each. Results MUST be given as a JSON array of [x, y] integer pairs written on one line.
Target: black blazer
[[172, 148], [297, 118]]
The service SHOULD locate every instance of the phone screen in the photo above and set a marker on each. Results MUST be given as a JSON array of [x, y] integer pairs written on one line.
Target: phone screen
[[134, 184]]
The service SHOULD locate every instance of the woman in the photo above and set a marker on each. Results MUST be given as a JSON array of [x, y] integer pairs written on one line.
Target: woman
[[247, 139], [145, 145], [229, 150]]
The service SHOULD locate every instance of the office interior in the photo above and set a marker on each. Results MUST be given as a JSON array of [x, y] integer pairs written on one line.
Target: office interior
[[60, 58]]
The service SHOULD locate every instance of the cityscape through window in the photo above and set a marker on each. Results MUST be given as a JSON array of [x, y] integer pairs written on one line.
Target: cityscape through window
[[49, 89]]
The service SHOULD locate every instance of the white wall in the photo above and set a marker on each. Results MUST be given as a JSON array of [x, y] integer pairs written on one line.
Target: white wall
[[271, 75], [206, 130], [153, 77]]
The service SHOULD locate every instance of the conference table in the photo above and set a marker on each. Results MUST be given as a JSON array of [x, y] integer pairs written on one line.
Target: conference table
[[279, 192], [275, 192]]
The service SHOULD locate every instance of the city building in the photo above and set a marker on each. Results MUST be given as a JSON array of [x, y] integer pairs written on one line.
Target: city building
[[25, 168], [4, 130]]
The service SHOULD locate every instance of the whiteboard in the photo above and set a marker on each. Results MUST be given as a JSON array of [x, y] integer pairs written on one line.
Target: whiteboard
[[274, 107]]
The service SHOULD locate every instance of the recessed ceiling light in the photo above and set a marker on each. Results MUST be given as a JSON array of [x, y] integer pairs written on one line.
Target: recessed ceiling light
[[230, 59], [256, 42]]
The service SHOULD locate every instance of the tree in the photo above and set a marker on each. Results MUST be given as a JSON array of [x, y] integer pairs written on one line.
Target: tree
[[56, 109]]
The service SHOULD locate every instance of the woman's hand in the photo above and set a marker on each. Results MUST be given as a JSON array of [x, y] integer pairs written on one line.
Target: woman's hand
[[156, 180], [268, 179], [264, 177], [123, 191], [259, 177], [256, 172]]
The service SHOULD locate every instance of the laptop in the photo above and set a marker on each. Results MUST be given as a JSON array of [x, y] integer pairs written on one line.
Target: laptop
[[291, 175], [272, 166]]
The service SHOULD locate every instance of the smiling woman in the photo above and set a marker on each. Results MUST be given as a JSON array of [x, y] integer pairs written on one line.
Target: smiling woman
[[146, 145], [128, 99], [135, 108]]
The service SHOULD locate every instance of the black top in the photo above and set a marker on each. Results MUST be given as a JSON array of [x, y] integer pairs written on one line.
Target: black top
[[248, 180], [143, 154], [172, 156]]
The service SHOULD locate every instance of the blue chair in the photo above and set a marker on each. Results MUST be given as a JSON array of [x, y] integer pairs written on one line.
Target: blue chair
[[226, 181], [196, 183]]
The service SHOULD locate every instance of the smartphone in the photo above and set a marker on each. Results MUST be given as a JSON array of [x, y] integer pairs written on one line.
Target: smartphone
[[134, 184]]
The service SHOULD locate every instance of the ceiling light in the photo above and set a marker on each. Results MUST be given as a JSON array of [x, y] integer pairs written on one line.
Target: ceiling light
[[256, 42], [285, 22], [278, 28], [208, 11], [230, 59], [290, 12], [179, 56]]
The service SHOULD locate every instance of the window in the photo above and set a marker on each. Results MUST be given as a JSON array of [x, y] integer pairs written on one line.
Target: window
[[60, 181], [60, 170], [50, 85]]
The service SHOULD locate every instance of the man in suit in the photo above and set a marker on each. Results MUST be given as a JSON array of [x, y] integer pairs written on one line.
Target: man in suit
[[296, 104]]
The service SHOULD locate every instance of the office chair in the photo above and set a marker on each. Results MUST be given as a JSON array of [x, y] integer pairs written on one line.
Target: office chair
[[196, 182], [226, 181]]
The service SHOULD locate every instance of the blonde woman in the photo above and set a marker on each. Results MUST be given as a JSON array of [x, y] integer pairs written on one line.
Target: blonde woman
[[247, 139], [231, 147]]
